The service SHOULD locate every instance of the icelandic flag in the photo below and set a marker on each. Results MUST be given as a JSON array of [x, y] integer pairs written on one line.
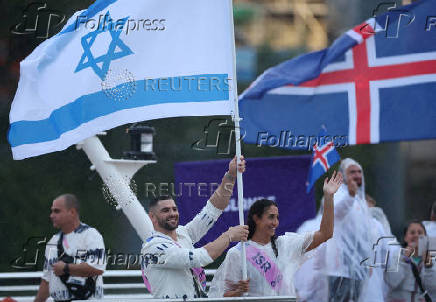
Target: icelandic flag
[[121, 62], [324, 156], [376, 83]]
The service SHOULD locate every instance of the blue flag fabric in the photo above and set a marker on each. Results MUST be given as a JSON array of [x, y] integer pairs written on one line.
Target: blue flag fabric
[[373, 84], [324, 156]]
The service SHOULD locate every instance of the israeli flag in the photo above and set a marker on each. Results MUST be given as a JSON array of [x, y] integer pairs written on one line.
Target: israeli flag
[[120, 62]]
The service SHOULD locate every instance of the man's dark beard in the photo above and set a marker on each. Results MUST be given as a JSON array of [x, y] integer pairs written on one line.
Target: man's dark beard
[[165, 225]]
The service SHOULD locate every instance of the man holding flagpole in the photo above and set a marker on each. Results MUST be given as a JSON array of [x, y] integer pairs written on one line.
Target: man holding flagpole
[[171, 265]]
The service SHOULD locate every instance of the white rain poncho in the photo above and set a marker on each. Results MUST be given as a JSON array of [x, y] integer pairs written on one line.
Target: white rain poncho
[[273, 276], [430, 228], [378, 214], [309, 281], [374, 289], [402, 283], [353, 234]]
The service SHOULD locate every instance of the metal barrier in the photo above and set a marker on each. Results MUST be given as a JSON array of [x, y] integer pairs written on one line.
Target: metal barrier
[[23, 286], [119, 285], [244, 299]]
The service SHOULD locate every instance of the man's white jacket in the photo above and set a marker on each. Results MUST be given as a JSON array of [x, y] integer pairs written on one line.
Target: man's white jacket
[[167, 264]]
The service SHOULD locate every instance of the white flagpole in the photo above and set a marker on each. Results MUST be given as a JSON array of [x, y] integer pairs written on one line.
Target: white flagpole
[[236, 119]]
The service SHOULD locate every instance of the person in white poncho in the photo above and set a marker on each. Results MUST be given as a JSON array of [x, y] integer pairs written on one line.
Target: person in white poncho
[[374, 289], [309, 281], [352, 239], [378, 214], [414, 276], [430, 225], [271, 261]]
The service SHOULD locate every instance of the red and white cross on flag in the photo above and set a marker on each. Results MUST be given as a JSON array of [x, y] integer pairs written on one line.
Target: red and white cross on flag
[[324, 156], [368, 86], [362, 74], [320, 155]]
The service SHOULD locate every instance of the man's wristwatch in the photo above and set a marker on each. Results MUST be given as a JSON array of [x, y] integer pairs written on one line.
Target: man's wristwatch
[[66, 269]]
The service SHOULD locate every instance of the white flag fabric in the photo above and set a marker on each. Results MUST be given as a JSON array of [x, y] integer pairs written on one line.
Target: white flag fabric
[[123, 61]]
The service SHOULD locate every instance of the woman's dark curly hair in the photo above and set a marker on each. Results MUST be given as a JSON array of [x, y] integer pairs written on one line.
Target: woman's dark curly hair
[[258, 208], [407, 228]]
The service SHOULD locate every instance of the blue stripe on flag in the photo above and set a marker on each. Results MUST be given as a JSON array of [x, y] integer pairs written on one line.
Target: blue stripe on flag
[[89, 107]]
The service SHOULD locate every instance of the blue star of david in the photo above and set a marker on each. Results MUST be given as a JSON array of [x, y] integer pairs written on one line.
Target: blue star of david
[[117, 48]]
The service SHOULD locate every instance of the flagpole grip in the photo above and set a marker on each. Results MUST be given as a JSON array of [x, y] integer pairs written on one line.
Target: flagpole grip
[[236, 120]]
